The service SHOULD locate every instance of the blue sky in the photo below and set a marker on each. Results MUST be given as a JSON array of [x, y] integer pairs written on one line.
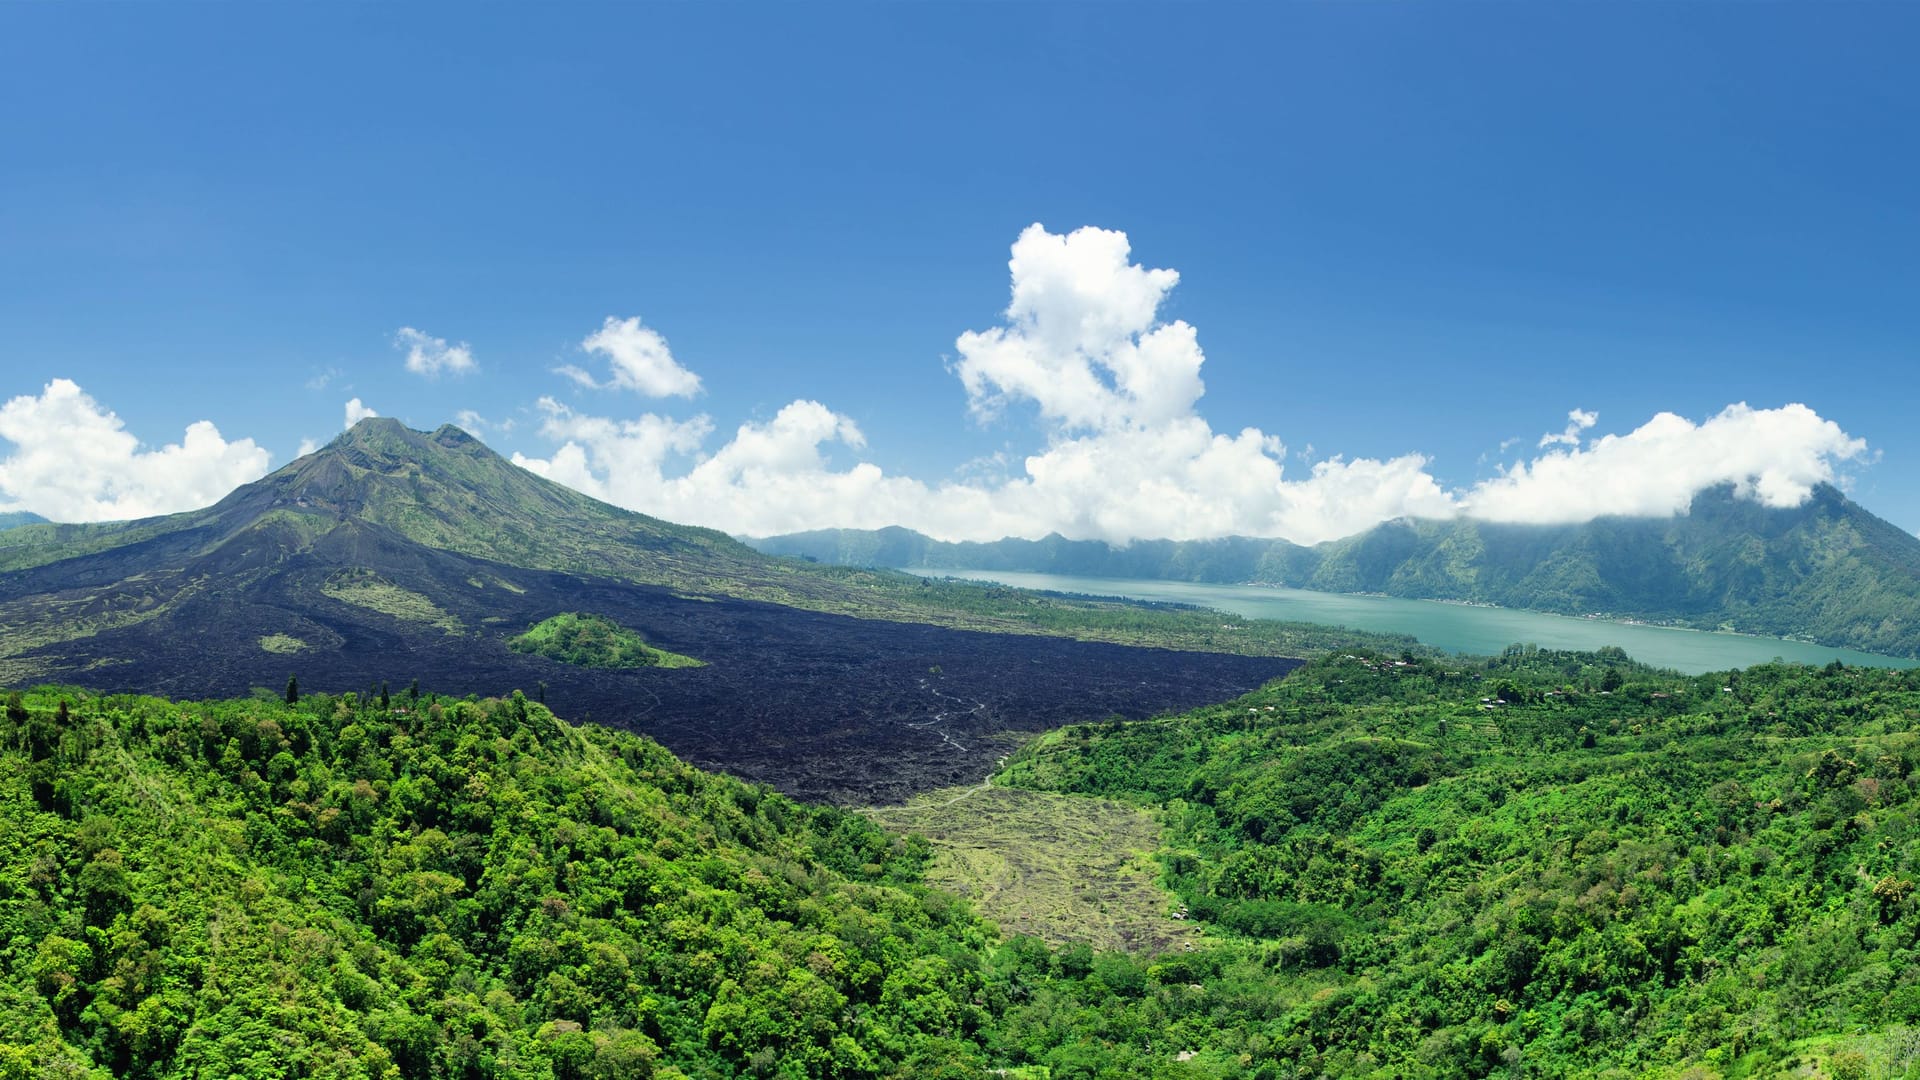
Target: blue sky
[[1398, 230]]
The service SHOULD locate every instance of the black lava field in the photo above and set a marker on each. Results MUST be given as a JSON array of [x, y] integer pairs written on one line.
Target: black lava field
[[823, 707]]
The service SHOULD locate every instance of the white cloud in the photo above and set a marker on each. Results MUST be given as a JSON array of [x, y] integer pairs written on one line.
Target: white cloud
[[430, 356], [639, 358], [357, 412], [475, 424], [1116, 390], [1081, 341], [75, 461], [1578, 420], [1126, 454], [619, 461], [1774, 456], [307, 446]]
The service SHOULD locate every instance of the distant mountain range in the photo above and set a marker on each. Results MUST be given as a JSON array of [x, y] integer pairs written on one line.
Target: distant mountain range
[[13, 518], [392, 555], [1826, 571]]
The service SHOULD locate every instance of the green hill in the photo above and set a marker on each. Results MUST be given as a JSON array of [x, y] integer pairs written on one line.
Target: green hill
[[591, 641], [1827, 571]]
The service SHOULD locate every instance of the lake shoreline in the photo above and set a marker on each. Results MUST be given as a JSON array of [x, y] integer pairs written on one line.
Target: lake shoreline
[[1452, 625]]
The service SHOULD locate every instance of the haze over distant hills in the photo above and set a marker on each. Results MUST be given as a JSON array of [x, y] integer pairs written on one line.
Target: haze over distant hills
[[1826, 571]]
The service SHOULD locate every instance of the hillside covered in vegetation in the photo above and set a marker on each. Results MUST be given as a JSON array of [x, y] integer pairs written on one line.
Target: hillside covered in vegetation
[[464, 888], [1539, 865], [1549, 864]]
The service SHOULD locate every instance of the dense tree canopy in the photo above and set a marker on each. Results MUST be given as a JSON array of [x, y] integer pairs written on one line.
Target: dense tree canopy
[[1544, 864], [1539, 865], [463, 888]]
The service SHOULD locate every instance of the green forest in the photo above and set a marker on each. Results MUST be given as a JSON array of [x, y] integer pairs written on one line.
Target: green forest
[[1541, 864]]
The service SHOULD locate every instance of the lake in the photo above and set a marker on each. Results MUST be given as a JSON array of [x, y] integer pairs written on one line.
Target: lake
[[1460, 628]]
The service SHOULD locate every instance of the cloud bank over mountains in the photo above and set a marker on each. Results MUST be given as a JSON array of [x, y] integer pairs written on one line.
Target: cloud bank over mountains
[[1123, 451], [1774, 456], [1127, 454]]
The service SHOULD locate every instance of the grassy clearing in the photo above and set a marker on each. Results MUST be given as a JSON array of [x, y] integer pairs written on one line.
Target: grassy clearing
[[284, 644], [1060, 867], [366, 589]]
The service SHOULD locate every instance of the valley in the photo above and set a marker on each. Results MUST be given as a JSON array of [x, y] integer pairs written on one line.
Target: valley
[[959, 541], [578, 807]]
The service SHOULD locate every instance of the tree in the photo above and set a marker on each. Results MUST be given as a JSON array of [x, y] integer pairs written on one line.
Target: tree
[[293, 690], [16, 708], [383, 694]]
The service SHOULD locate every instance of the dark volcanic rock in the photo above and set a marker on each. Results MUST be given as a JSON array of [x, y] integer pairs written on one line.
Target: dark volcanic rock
[[824, 707]]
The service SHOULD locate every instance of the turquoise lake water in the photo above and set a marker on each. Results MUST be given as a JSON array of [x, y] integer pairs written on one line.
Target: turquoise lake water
[[1454, 627]]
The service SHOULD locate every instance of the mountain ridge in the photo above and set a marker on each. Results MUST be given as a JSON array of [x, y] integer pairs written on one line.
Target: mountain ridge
[[422, 484], [1827, 570]]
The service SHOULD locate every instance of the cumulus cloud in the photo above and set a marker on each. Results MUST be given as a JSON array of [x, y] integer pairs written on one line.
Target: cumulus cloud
[[1081, 341], [639, 360], [307, 446], [75, 461], [1115, 389], [431, 356], [1774, 456], [1125, 453], [768, 475], [357, 412]]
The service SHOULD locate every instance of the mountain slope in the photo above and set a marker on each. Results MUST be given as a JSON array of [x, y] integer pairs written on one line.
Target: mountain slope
[[393, 555], [443, 489], [1827, 570]]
